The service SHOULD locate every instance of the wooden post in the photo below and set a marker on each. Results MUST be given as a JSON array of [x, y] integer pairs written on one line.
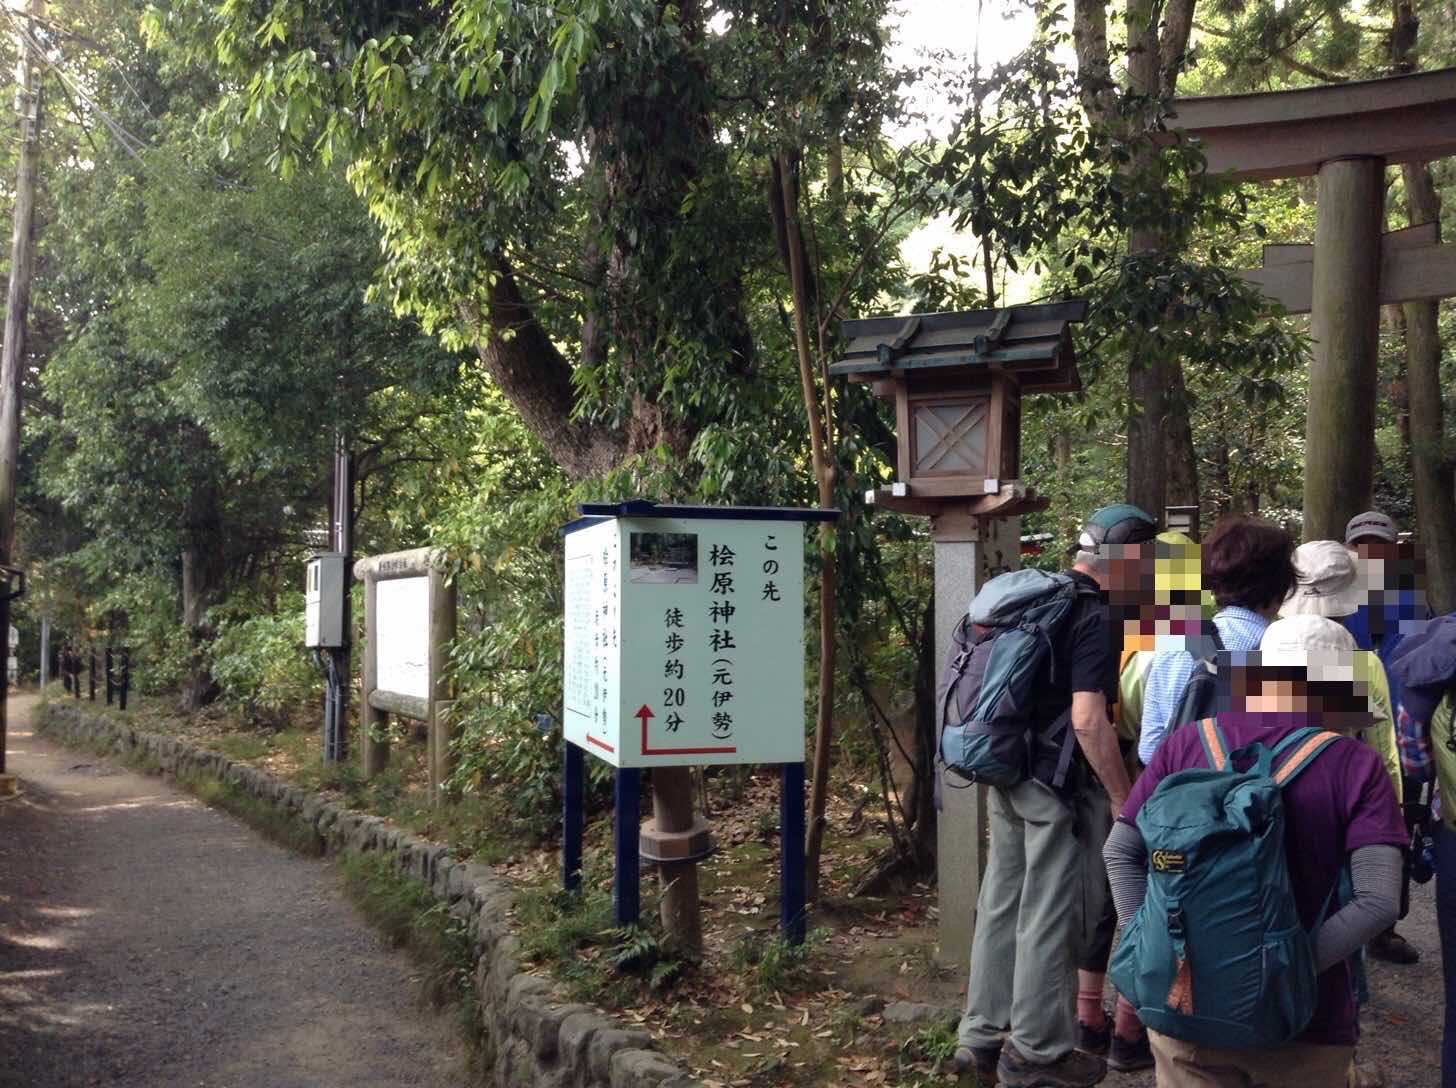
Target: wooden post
[[373, 750], [672, 812], [442, 630], [1345, 325]]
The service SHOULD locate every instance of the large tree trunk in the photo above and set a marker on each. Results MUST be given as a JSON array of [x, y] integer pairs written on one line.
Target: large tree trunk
[[649, 143], [1430, 464], [202, 581], [1161, 463], [536, 378]]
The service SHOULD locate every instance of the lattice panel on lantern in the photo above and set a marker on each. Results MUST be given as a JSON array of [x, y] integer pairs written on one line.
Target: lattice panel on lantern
[[951, 437]]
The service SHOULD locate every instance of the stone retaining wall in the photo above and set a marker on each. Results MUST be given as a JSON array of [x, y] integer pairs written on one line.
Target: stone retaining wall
[[539, 1040]]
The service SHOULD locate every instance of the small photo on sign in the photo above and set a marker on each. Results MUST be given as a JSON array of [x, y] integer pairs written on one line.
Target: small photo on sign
[[665, 558]]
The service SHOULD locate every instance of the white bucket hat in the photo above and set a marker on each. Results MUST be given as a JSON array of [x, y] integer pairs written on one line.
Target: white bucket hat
[[1327, 581], [1318, 645]]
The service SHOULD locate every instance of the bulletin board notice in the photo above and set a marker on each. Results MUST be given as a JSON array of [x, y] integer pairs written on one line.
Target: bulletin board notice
[[684, 639]]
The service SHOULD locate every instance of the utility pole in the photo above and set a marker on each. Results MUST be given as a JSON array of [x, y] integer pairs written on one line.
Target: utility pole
[[17, 311], [341, 540]]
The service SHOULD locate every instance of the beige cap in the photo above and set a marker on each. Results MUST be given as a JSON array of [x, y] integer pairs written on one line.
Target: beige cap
[[1327, 581], [1318, 645]]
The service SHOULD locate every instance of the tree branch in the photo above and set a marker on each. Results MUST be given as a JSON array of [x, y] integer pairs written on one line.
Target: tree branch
[[1173, 44], [535, 377]]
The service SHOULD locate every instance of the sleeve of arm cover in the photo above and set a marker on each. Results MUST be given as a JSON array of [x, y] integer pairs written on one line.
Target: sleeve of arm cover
[[1126, 857], [1375, 872]]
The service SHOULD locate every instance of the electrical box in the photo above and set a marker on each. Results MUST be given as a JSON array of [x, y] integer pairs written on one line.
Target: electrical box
[[323, 602]]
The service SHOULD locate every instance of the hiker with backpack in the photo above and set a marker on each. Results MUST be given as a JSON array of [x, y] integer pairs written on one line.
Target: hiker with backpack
[[1174, 613], [1247, 566], [1327, 583], [1256, 854], [1424, 667], [1392, 604], [1024, 710]]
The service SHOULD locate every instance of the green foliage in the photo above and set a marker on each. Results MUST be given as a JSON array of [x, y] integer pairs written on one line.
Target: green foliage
[[936, 1043], [261, 665], [775, 965], [284, 827], [501, 532], [409, 917], [148, 604]]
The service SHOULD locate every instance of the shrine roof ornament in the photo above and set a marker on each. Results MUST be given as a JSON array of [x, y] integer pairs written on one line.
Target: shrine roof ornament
[[1031, 343], [1283, 134]]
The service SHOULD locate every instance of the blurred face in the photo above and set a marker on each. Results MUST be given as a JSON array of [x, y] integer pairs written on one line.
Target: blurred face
[[1369, 547], [1129, 581], [1341, 706]]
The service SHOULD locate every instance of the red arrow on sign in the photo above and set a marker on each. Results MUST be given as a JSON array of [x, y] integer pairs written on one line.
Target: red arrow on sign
[[644, 712]]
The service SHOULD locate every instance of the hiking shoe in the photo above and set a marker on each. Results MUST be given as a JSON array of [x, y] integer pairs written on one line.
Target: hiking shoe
[[1125, 1055], [1092, 1040], [1391, 947], [1073, 1069], [982, 1059]]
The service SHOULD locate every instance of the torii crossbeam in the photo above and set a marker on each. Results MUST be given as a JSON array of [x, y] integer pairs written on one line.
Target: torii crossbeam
[[1345, 134]]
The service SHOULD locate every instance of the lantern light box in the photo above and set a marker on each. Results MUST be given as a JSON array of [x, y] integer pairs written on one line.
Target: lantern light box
[[957, 380], [684, 640]]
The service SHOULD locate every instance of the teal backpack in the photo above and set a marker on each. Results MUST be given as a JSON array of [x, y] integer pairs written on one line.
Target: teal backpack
[[1216, 954], [1000, 655]]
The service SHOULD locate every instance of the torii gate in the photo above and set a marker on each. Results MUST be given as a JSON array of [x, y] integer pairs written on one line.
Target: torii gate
[[1345, 135]]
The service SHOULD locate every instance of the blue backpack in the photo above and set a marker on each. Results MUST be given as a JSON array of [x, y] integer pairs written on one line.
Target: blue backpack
[[1000, 658], [1216, 954]]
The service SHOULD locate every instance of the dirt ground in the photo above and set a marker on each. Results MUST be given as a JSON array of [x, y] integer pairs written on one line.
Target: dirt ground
[[148, 940], [825, 1030]]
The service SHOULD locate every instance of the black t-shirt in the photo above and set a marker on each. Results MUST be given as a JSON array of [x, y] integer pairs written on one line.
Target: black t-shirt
[[1084, 657]]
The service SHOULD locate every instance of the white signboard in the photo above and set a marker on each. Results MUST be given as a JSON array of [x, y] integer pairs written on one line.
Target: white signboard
[[404, 636], [685, 640]]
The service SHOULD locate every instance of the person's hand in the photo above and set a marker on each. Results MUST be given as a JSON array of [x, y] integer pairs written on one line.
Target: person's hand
[[1118, 801]]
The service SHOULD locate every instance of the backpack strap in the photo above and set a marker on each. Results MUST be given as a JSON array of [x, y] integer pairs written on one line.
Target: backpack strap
[[1305, 750], [1215, 748]]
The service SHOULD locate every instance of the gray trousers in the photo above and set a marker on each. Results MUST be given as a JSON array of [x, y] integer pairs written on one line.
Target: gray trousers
[[1040, 902]]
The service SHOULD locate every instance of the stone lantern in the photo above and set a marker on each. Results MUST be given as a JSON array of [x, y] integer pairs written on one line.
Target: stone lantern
[[957, 380]]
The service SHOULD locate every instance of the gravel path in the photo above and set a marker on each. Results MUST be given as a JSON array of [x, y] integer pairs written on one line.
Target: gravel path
[[148, 940]]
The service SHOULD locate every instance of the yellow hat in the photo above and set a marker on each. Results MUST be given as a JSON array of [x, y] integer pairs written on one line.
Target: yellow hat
[[1176, 566]]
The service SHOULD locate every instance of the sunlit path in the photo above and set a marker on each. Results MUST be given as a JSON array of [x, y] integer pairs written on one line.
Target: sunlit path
[[148, 940]]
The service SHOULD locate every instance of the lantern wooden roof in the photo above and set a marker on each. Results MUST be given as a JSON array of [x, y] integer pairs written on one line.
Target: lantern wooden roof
[[1033, 344]]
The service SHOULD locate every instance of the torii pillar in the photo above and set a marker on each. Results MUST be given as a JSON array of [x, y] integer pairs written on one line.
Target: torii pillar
[[1345, 135]]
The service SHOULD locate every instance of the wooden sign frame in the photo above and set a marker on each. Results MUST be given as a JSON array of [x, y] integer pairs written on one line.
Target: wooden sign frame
[[431, 707]]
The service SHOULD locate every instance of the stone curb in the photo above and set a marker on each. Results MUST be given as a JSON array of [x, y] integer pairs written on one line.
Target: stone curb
[[536, 1038]]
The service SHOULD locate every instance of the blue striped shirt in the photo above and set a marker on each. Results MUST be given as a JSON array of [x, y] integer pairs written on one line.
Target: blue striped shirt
[[1168, 675]]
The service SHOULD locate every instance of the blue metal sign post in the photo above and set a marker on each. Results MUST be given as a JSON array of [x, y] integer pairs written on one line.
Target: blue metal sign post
[[626, 880], [792, 921], [573, 816]]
